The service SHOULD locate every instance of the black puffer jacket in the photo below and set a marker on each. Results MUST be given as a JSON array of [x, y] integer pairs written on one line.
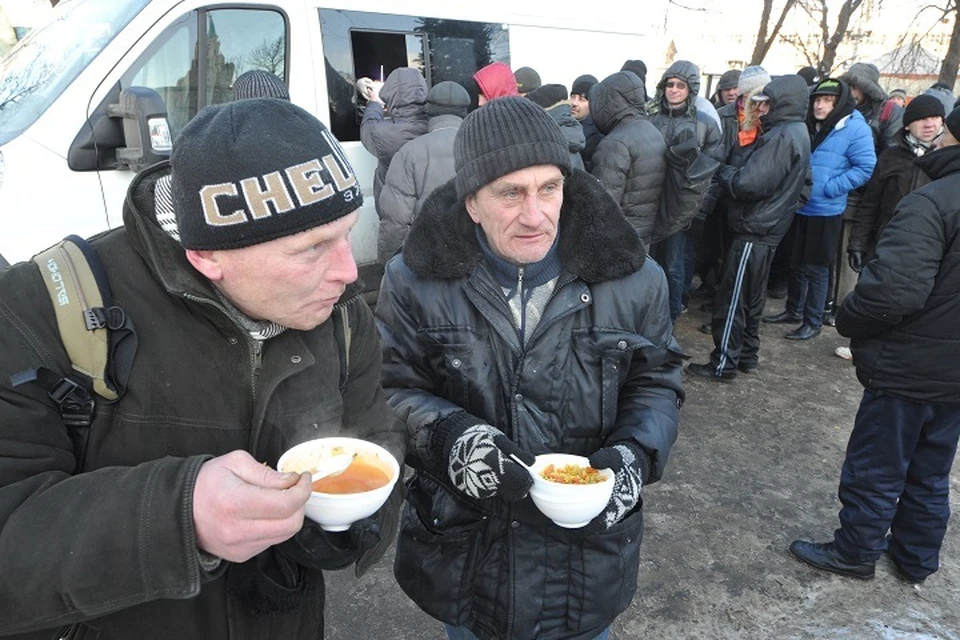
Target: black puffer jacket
[[601, 367], [902, 316], [673, 123], [572, 131], [895, 176], [629, 161], [765, 189], [110, 553]]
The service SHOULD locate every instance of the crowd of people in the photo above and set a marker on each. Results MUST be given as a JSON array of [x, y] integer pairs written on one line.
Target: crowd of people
[[539, 250]]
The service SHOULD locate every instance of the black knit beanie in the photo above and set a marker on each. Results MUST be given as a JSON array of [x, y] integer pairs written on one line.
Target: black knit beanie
[[503, 136], [923, 106], [548, 95], [250, 171], [638, 67], [527, 80], [447, 98], [953, 122], [258, 83], [583, 84]]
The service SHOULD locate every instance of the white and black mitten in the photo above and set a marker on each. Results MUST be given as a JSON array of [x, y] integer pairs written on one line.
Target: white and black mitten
[[479, 464], [627, 461]]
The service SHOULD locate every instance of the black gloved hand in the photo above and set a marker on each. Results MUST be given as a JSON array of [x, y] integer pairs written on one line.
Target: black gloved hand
[[314, 548], [685, 147], [479, 464], [855, 260], [627, 461]]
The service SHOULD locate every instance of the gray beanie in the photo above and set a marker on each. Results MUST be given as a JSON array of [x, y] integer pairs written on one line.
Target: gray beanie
[[447, 97], [729, 80], [258, 83], [527, 80], [505, 135], [751, 78], [250, 171]]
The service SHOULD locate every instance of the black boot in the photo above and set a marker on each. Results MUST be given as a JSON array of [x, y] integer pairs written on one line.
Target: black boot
[[803, 332], [782, 318], [824, 556]]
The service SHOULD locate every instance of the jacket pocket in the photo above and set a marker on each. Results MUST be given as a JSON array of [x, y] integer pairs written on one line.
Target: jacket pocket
[[459, 359], [436, 549], [603, 573]]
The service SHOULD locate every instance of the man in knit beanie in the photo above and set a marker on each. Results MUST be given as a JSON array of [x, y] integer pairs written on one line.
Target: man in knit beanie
[[527, 80], [519, 289], [258, 83], [252, 337]]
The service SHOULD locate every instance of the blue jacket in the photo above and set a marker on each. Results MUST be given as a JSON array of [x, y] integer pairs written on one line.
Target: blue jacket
[[840, 164]]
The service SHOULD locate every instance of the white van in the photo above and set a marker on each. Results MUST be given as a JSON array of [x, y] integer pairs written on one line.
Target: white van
[[66, 158]]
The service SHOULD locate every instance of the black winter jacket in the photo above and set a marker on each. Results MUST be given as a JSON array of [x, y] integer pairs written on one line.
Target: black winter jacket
[[895, 176], [601, 367], [110, 553], [629, 161], [765, 189], [592, 137], [902, 316], [572, 131], [673, 123]]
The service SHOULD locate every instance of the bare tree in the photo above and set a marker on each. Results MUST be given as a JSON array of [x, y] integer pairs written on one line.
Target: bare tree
[[951, 62], [764, 39], [821, 50]]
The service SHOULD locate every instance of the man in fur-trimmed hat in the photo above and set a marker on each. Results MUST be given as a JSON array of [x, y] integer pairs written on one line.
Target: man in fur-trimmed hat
[[235, 265], [521, 318]]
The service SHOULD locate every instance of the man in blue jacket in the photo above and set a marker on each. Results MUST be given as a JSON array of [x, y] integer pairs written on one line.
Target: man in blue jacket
[[522, 318], [901, 320]]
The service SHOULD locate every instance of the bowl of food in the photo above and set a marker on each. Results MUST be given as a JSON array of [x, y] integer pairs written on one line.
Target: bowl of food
[[568, 490], [358, 491]]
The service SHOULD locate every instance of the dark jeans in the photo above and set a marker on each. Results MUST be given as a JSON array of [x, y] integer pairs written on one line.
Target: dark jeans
[[896, 477], [807, 292], [674, 263]]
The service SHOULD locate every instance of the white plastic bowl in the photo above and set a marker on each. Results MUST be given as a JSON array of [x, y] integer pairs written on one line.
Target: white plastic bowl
[[569, 505], [337, 511]]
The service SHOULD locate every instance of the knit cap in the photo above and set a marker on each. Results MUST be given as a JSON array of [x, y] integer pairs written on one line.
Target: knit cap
[[809, 75], [899, 93], [258, 83], [923, 106], [729, 80], [583, 84], [527, 80], [503, 136], [638, 67], [250, 171], [447, 97], [953, 122], [753, 77], [548, 95]]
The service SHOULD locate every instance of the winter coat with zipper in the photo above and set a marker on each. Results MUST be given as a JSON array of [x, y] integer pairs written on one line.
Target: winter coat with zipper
[[673, 123], [386, 127], [895, 175], [842, 156], [601, 367], [109, 553], [902, 317], [422, 165], [629, 161], [765, 190]]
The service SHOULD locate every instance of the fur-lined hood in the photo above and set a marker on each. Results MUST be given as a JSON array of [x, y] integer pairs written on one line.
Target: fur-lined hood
[[596, 241]]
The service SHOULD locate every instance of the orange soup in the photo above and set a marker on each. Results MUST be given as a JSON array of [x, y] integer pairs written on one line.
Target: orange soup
[[360, 476]]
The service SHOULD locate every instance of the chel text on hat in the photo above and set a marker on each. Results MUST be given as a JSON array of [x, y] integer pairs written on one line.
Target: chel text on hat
[[923, 106], [503, 136], [256, 170]]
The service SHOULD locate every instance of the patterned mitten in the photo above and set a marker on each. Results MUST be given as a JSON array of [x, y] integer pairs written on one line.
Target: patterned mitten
[[479, 464], [627, 462]]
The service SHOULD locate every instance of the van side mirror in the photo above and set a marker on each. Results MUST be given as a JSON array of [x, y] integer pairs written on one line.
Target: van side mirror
[[146, 133], [127, 130]]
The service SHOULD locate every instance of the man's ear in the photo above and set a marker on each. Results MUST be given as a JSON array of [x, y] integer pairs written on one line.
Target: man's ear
[[471, 205], [206, 262]]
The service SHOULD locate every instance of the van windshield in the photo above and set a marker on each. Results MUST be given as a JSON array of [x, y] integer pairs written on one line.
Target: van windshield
[[44, 63]]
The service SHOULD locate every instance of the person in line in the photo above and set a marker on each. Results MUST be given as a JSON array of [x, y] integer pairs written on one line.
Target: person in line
[[629, 161], [393, 117], [809, 74], [639, 68], [495, 81], [842, 160], [553, 99], [258, 83], [235, 265], [901, 319], [580, 109], [421, 165], [764, 192], [895, 176], [942, 92], [900, 97], [527, 80], [727, 89], [522, 318], [673, 113]]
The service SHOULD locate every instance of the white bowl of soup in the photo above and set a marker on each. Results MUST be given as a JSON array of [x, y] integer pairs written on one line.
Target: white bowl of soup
[[358, 492], [568, 490]]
